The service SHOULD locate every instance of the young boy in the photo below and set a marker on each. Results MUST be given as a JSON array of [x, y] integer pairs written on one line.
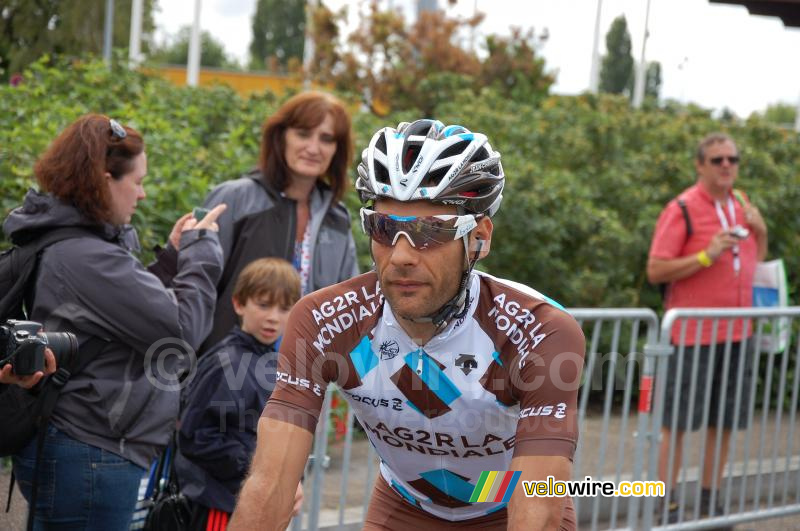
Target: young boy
[[223, 403]]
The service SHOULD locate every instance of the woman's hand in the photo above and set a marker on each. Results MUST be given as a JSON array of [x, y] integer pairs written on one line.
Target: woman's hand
[[175, 235], [7, 375], [209, 222]]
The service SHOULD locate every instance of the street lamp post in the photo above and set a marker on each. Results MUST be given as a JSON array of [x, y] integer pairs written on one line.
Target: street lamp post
[[193, 66], [594, 76], [641, 72], [108, 31], [135, 44]]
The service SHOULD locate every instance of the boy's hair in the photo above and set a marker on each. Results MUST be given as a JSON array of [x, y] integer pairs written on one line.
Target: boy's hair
[[273, 279]]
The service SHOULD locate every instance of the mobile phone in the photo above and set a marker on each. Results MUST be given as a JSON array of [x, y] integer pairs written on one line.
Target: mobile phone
[[199, 213], [739, 232]]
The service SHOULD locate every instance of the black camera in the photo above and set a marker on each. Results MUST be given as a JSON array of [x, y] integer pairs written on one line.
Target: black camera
[[22, 344]]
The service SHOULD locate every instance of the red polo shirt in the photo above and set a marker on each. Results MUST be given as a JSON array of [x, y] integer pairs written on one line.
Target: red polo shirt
[[718, 286]]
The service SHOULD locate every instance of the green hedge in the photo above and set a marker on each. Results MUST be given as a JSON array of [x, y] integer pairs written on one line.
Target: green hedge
[[587, 176]]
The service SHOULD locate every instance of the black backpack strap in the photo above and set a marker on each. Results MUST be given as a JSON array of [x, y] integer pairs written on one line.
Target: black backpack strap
[[662, 287], [48, 398], [10, 490], [685, 212]]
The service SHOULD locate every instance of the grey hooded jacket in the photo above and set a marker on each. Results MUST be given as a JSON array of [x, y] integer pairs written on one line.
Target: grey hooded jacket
[[123, 401], [261, 221]]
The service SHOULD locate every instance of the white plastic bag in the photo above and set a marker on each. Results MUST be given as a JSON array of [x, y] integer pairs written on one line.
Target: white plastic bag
[[770, 290]]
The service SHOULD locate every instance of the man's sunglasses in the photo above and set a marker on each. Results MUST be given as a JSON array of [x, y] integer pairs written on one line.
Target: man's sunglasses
[[421, 231], [717, 161]]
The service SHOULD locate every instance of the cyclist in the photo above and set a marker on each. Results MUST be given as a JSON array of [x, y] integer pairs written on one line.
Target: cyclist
[[450, 371]]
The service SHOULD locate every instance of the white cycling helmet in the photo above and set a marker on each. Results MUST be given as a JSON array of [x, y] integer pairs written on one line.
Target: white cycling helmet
[[426, 160]]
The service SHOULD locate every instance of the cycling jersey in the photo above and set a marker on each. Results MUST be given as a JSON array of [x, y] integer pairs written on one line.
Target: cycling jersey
[[499, 382]]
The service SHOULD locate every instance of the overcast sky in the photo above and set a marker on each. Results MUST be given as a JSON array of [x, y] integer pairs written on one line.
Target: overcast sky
[[711, 54]]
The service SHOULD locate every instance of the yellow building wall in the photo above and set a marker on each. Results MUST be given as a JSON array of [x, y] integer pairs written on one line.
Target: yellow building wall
[[245, 83]]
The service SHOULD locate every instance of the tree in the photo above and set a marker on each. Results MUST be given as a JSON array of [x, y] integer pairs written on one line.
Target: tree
[[212, 51], [616, 71], [279, 28], [30, 29], [652, 82], [389, 62], [781, 114]]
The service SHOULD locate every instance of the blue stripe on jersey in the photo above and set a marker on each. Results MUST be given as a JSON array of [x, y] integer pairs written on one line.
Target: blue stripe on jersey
[[496, 356], [364, 360], [433, 376], [553, 302], [449, 483], [404, 493]]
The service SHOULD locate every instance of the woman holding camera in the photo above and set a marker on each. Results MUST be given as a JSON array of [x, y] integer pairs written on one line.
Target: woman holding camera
[[289, 207], [113, 417]]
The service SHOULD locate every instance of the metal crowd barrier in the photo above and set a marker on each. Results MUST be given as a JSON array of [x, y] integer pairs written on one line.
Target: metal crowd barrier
[[762, 476], [619, 439]]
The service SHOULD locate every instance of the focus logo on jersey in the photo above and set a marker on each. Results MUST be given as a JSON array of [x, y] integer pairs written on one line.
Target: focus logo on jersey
[[558, 411], [298, 382], [519, 324]]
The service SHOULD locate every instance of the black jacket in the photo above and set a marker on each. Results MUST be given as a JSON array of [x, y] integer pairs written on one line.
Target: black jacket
[[261, 222], [223, 403]]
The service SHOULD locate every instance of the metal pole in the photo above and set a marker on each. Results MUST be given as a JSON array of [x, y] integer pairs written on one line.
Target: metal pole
[[108, 31], [308, 47], [594, 77], [641, 72], [135, 44], [193, 66]]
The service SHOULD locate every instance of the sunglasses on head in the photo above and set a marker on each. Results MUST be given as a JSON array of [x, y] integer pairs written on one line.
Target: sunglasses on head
[[717, 161], [117, 131], [421, 231]]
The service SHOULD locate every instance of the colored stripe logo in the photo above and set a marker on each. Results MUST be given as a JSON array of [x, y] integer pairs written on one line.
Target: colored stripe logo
[[494, 486]]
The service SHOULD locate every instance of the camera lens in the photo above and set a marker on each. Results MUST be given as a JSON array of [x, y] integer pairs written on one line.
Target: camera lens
[[61, 343]]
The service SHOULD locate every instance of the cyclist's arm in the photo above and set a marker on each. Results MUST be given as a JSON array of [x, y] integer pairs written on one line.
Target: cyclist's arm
[[268, 494], [537, 512]]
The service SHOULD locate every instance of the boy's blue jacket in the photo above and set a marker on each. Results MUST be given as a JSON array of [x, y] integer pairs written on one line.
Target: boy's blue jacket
[[217, 433]]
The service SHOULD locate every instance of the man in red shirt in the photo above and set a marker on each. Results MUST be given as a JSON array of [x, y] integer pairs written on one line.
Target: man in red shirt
[[707, 260]]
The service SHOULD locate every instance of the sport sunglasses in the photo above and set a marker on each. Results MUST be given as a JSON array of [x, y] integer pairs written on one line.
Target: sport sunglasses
[[421, 231]]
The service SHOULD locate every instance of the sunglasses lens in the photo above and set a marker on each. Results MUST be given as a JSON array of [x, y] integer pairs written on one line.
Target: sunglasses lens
[[423, 232], [717, 161]]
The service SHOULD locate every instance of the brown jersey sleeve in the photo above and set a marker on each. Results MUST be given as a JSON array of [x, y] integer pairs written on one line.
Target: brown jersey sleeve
[[323, 329], [546, 383], [301, 379]]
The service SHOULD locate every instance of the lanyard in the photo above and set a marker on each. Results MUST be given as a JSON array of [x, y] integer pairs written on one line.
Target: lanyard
[[726, 226]]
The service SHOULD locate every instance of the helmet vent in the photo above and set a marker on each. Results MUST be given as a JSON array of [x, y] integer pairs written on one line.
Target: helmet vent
[[381, 173], [456, 149], [410, 156], [434, 177], [380, 145]]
